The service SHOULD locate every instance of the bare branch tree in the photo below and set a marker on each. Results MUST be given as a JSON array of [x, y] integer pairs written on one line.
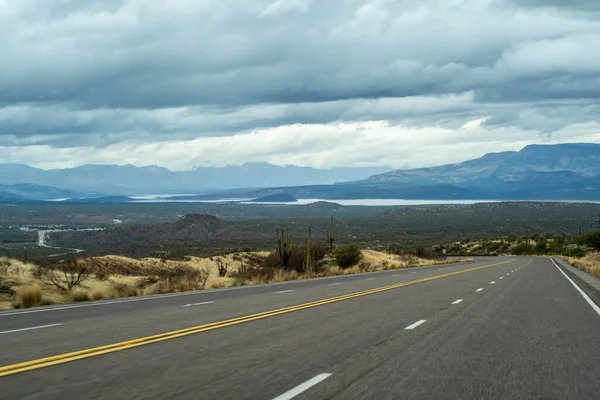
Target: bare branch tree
[[64, 275]]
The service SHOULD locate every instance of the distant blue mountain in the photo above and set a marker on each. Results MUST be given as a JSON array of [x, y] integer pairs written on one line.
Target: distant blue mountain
[[27, 191], [538, 172], [129, 179], [579, 159]]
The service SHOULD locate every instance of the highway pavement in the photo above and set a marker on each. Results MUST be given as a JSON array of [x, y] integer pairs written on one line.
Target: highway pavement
[[498, 328]]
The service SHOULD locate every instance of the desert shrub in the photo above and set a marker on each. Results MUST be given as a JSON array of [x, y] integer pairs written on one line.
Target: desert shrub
[[123, 290], [97, 294], [172, 278], [347, 255], [591, 239], [272, 261], [5, 289], [364, 267], [576, 252], [78, 295], [29, 296], [297, 259], [522, 248], [218, 284], [63, 275], [239, 281]]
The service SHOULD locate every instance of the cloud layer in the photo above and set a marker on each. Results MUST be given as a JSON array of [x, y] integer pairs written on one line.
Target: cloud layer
[[189, 83]]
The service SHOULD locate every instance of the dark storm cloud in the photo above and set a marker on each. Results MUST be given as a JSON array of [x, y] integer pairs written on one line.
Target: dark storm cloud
[[583, 5], [101, 72]]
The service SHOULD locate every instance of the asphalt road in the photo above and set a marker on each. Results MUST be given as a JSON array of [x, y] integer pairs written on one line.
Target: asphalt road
[[500, 328]]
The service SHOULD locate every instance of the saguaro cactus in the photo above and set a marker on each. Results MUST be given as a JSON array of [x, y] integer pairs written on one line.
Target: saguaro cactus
[[308, 262], [331, 236], [284, 247], [222, 268]]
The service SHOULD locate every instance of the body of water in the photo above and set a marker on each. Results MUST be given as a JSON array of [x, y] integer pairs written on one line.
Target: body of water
[[353, 202]]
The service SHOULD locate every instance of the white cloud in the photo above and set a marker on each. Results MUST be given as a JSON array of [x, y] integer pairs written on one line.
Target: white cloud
[[374, 143], [191, 82]]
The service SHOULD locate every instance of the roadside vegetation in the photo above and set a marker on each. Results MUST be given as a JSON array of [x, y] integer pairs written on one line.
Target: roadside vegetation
[[582, 251], [24, 285]]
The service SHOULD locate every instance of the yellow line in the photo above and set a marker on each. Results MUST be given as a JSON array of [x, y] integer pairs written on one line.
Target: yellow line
[[96, 351]]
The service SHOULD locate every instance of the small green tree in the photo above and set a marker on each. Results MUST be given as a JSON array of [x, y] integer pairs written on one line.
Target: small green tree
[[591, 239], [346, 256]]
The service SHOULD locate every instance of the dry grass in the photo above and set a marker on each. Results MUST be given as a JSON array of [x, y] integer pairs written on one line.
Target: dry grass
[[80, 294], [29, 296], [117, 276], [590, 263]]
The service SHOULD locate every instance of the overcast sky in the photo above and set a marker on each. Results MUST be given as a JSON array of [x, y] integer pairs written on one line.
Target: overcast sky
[[307, 82]]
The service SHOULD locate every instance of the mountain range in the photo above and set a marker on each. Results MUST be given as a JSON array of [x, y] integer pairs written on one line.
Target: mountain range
[[537, 172], [118, 180]]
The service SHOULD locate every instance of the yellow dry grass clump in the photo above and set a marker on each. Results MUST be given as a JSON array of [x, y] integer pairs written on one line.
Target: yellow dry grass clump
[[589, 263]]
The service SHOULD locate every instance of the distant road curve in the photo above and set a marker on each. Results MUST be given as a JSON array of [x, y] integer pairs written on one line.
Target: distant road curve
[[42, 243]]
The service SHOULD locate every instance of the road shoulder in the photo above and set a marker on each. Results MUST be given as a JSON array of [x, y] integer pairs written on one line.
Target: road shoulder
[[586, 281]]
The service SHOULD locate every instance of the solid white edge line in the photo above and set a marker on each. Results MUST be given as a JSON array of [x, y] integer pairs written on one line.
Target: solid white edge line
[[285, 291], [581, 292], [290, 394], [413, 326], [457, 301], [29, 329], [479, 290]]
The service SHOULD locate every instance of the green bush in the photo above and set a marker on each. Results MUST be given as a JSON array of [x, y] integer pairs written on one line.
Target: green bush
[[346, 256], [522, 249], [591, 239]]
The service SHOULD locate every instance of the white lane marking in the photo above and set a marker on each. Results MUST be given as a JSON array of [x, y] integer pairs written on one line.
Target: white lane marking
[[29, 329], [581, 292], [285, 291], [395, 275], [337, 283], [413, 326], [199, 304], [414, 272], [479, 290], [492, 282], [457, 301], [303, 387], [370, 279], [501, 277], [508, 274]]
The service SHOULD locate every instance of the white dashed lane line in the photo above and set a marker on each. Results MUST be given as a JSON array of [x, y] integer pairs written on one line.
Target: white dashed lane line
[[199, 304], [290, 394], [284, 291], [457, 301], [479, 290], [492, 282], [29, 329], [413, 326]]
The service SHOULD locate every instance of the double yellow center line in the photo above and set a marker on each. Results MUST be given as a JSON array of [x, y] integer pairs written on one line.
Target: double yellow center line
[[111, 348]]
